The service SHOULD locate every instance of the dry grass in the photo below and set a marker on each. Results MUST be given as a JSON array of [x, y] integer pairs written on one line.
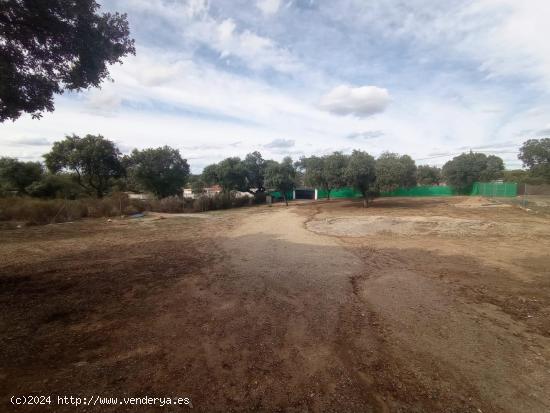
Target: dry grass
[[33, 211]]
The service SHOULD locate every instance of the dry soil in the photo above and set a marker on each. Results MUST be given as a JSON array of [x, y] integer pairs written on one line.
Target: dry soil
[[411, 305]]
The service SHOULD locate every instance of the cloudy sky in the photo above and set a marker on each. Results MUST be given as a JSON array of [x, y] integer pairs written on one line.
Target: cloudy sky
[[222, 78]]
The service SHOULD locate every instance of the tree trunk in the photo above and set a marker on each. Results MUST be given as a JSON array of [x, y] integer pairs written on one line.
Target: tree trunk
[[284, 197], [328, 194], [365, 199]]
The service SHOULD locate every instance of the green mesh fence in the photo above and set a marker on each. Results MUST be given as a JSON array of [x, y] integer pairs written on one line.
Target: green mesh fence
[[339, 193], [490, 189], [279, 195], [422, 191]]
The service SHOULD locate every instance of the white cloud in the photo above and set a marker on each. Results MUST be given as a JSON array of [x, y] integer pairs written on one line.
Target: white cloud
[[360, 101], [371, 134], [543, 132], [514, 42], [280, 143], [257, 52], [193, 22], [269, 7], [30, 141], [193, 93], [103, 101], [502, 38]]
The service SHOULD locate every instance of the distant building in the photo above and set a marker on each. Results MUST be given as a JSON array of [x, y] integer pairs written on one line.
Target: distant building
[[240, 194], [209, 191], [139, 195]]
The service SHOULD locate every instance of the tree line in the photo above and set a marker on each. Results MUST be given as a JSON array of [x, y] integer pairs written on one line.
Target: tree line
[[94, 166]]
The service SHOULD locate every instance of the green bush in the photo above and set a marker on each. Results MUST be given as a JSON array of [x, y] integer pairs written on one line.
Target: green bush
[[55, 186]]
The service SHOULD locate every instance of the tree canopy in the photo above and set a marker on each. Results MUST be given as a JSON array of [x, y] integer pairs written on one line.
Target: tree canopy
[[93, 159], [230, 174], [535, 155], [327, 172], [493, 169], [17, 175], [394, 171], [161, 171], [49, 46], [465, 169], [335, 170], [314, 172], [361, 173], [61, 185], [428, 175], [255, 167], [281, 176]]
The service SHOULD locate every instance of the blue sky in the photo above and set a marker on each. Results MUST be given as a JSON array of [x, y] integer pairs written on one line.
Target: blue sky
[[297, 77]]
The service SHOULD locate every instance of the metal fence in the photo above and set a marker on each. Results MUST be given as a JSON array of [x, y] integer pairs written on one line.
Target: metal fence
[[535, 196], [532, 197]]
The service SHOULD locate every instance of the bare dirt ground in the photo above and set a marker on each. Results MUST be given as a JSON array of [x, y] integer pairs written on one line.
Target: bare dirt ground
[[411, 305]]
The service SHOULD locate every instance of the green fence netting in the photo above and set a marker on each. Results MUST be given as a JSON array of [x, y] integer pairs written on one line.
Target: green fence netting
[[279, 195], [422, 191], [493, 189], [489, 189], [339, 193]]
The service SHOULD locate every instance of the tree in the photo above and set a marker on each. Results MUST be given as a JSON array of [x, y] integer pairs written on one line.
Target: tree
[[16, 175], [230, 174], [327, 172], [521, 176], [428, 175], [55, 186], [394, 171], [197, 187], [255, 167], [281, 176], [493, 169], [463, 170], [49, 46], [93, 159], [535, 155], [335, 166], [361, 173], [314, 172], [210, 174], [161, 171]]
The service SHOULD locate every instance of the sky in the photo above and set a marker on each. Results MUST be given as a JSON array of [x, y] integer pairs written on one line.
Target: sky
[[214, 79]]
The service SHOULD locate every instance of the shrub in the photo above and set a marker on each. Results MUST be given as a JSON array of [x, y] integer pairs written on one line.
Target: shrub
[[220, 201], [55, 186], [35, 211], [39, 212], [171, 204], [104, 207], [241, 201]]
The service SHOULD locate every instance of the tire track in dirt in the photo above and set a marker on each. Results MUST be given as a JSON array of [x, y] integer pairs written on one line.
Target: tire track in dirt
[[327, 340], [473, 349]]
